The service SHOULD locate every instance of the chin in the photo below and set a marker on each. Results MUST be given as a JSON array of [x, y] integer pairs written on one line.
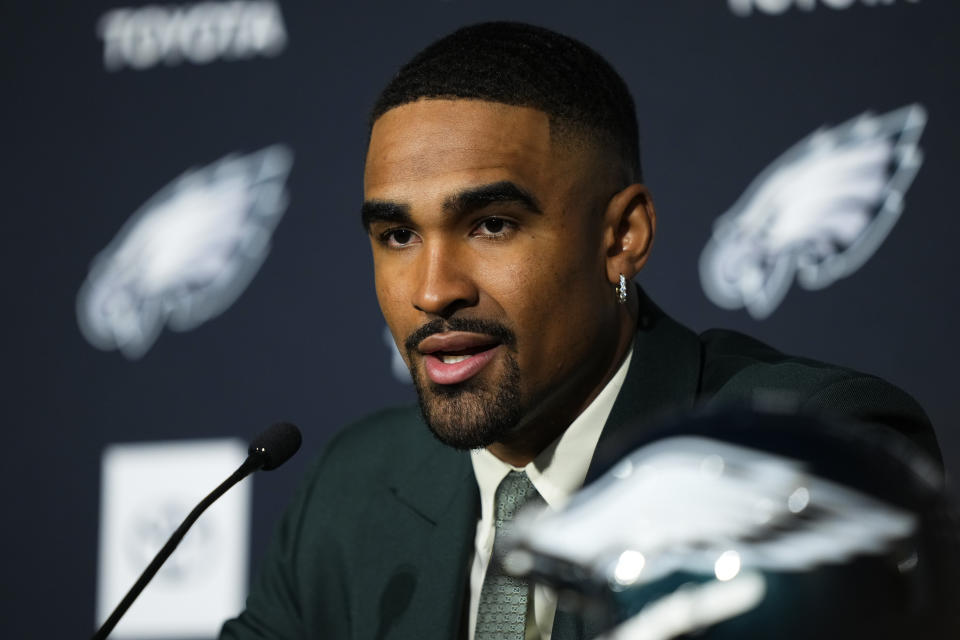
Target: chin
[[471, 415]]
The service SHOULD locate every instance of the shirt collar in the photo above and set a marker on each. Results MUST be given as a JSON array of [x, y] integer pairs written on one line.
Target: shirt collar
[[559, 470]]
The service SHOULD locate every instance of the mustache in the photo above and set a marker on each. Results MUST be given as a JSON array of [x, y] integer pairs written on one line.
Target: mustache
[[469, 325]]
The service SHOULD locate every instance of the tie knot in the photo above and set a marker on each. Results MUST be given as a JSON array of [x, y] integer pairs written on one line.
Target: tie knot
[[514, 491]]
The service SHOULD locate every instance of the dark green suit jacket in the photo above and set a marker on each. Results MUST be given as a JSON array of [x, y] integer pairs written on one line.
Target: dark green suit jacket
[[378, 540]]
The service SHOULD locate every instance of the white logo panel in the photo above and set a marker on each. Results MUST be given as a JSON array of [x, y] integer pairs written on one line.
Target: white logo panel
[[817, 213], [147, 490], [187, 254]]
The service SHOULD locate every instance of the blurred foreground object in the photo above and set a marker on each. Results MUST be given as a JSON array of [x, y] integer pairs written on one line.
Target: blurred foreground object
[[743, 525]]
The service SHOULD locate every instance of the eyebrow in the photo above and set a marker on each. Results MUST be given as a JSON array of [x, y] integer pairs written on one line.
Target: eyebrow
[[384, 211], [460, 203], [504, 191]]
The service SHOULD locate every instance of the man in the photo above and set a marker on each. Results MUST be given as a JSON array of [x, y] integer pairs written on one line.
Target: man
[[507, 217]]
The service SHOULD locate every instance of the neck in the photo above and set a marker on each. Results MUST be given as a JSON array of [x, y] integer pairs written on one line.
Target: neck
[[529, 439]]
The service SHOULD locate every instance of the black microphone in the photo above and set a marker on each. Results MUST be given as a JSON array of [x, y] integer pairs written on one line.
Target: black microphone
[[268, 451], [276, 445]]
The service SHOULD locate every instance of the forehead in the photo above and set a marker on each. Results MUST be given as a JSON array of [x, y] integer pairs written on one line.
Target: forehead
[[467, 140]]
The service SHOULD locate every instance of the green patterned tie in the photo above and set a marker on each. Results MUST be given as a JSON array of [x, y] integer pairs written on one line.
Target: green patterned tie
[[502, 614]]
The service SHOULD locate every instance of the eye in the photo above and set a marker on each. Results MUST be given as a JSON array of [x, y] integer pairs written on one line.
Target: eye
[[493, 227], [398, 237]]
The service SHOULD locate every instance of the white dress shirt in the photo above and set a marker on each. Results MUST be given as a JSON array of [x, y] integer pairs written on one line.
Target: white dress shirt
[[557, 473]]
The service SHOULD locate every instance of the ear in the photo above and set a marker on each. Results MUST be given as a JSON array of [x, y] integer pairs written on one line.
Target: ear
[[630, 223]]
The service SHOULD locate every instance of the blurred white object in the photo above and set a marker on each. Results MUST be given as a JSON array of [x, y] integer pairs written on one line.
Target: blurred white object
[[819, 211], [187, 254], [744, 8], [142, 37], [399, 369], [699, 506], [147, 490], [693, 607]]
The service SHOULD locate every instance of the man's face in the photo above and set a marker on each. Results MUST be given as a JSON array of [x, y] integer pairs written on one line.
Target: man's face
[[488, 251]]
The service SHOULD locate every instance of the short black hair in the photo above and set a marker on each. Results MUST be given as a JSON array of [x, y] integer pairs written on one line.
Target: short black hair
[[524, 65]]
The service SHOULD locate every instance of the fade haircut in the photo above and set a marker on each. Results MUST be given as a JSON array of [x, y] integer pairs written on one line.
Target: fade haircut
[[526, 66]]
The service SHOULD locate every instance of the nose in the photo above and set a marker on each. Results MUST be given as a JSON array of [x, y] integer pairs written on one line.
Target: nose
[[444, 280]]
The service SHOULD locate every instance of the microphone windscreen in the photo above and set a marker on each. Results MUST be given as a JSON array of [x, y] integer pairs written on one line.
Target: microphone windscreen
[[277, 444]]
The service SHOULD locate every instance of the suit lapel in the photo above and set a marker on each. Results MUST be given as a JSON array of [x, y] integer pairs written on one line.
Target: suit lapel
[[663, 378], [439, 495]]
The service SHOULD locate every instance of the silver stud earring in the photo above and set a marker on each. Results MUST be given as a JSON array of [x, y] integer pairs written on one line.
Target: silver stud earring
[[622, 290]]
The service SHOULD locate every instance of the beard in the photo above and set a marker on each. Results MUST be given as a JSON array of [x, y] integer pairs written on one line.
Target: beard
[[471, 414]]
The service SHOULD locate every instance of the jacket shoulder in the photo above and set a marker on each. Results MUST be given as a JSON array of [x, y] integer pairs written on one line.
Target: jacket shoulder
[[372, 446], [740, 370], [736, 363], [393, 426]]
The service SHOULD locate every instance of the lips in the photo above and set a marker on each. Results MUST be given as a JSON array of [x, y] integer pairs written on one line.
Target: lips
[[456, 356]]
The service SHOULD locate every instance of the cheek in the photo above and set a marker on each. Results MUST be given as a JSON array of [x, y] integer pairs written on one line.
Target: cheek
[[560, 306], [507, 281], [390, 297]]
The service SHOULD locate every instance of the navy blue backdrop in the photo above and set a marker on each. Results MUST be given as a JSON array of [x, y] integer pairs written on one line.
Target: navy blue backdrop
[[97, 122]]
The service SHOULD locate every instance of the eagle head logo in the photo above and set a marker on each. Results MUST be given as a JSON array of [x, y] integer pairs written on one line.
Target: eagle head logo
[[818, 212]]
